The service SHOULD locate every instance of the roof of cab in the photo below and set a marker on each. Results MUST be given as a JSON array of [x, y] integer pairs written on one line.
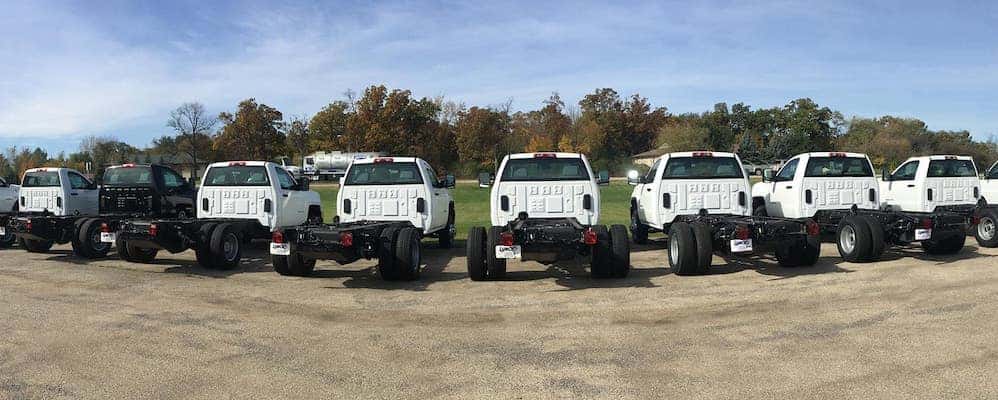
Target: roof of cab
[[836, 153], [240, 163], [130, 166], [372, 160], [50, 169], [699, 153], [532, 155]]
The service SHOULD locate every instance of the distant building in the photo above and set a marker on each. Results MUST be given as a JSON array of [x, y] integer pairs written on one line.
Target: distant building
[[648, 157]]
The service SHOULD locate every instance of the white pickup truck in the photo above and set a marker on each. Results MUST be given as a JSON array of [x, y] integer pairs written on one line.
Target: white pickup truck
[[385, 206], [52, 203], [987, 229], [545, 207], [839, 191], [8, 206], [238, 201], [702, 200]]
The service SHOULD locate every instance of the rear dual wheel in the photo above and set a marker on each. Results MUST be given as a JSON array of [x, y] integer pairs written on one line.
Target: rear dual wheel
[[949, 245], [293, 264], [135, 254], [690, 248], [860, 238], [611, 256], [87, 242], [987, 229], [35, 246], [400, 254]]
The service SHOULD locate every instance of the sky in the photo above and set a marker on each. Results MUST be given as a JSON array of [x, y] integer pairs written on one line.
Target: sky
[[110, 68]]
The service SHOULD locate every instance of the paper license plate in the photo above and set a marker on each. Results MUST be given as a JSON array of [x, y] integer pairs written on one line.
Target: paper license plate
[[280, 249], [507, 251], [923, 234], [108, 237], [3, 231], [741, 246]]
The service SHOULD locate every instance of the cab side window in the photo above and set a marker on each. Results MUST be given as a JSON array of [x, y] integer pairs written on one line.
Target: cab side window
[[993, 173], [906, 172], [78, 182], [650, 176], [432, 176], [788, 171], [171, 180], [286, 181]]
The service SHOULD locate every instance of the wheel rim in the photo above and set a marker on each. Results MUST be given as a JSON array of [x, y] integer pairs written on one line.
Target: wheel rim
[[847, 239], [673, 250], [230, 247], [98, 245], [7, 238], [986, 229]]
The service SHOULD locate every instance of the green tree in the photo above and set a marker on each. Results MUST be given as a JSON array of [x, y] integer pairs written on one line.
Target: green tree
[[254, 132]]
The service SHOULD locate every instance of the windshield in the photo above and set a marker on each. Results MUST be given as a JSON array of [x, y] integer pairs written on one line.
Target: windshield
[[838, 167], [951, 169], [137, 176], [41, 179], [237, 176], [390, 173], [702, 168], [545, 169]]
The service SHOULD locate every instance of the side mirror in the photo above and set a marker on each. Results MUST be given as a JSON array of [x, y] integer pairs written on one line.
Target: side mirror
[[633, 178], [885, 175], [450, 181], [767, 175], [484, 179], [603, 178]]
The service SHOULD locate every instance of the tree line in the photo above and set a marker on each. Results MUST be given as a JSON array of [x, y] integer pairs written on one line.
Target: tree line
[[607, 127]]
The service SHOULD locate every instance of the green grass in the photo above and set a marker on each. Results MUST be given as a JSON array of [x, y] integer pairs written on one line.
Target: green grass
[[472, 204]]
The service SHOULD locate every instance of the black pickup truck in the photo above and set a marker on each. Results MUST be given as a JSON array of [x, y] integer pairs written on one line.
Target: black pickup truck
[[126, 191]]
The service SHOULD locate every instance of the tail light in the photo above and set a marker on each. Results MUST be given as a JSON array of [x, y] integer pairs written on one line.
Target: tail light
[[153, 230], [27, 226], [346, 239], [837, 154], [383, 160], [545, 155], [702, 154], [742, 232], [105, 228], [589, 237], [277, 237], [506, 239], [813, 229], [237, 164], [927, 223]]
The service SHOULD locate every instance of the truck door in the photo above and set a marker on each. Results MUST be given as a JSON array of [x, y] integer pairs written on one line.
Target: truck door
[[785, 197], [903, 191], [647, 200], [82, 197], [439, 198], [989, 186]]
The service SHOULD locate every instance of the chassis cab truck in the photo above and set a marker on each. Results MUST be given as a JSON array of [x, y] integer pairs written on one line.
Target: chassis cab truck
[[987, 233], [237, 202], [545, 207], [702, 200], [385, 206], [8, 208], [127, 191], [839, 191]]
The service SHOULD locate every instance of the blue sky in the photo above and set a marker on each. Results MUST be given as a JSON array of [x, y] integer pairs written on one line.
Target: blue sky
[[71, 69]]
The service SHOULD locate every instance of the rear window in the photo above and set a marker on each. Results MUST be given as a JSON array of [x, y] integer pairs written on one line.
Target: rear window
[[237, 176], [135, 176], [951, 169], [702, 168], [390, 173], [545, 169], [838, 167], [41, 179]]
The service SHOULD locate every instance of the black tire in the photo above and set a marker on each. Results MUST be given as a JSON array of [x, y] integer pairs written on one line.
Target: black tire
[[853, 239], [8, 239], [760, 211], [946, 246], [446, 236], [877, 243], [602, 259], [35, 246], [639, 231], [798, 253], [682, 249], [88, 244], [226, 247], [141, 255], [408, 254], [987, 229], [704, 246], [293, 265], [386, 254], [620, 251], [74, 239], [203, 251], [496, 267], [476, 254]]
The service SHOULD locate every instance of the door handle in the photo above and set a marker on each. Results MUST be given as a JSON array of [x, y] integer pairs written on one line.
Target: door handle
[[790, 187], [74, 194], [649, 189], [911, 185]]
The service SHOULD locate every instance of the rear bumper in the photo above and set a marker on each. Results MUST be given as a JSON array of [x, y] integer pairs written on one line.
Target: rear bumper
[[174, 237], [765, 232], [323, 242]]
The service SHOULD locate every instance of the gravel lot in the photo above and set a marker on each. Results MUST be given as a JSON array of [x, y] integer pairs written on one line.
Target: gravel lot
[[909, 327]]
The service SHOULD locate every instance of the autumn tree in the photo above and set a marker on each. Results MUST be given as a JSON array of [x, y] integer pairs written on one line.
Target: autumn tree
[[481, 135], [328, 127], [254, 132], [192, 126], [298, 135]]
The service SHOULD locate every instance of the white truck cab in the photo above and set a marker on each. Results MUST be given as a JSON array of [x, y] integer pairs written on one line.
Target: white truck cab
[[256, 190], [989, 185], [396, 189], [812, 182], [684, 183], [921, 184], [545, 186], [58, 191]]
